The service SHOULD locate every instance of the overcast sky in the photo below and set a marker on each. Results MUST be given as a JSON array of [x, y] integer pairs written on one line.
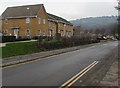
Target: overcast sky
[[69, 9]]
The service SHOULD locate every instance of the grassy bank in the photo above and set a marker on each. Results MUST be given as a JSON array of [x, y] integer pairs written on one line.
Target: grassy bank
[[22, 48]]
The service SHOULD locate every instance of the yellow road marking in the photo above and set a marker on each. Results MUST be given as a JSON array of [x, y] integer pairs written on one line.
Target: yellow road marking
[[80, 74], [77, 74]]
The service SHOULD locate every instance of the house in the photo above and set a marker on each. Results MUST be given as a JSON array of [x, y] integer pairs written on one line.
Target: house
[[33, 20], [59, 25]]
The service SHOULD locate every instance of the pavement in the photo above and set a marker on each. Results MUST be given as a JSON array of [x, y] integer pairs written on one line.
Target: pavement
[[104, 74], [4, 44], [58, 69], [111, 78]]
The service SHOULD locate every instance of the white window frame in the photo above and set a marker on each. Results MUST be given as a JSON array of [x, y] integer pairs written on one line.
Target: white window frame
[[38, 31], [39, 20], [26, 33], [27, 20], [6, 21], [44, 21], [65, 25], [5, 31], [44, 32]]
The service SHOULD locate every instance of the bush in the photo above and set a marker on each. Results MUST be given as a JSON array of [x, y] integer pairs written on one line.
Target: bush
[[36, 37], [7, 39], [44, 38], [64, 42], [22, 39]]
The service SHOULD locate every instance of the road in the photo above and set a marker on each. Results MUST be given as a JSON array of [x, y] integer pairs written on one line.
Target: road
[[55, 70]]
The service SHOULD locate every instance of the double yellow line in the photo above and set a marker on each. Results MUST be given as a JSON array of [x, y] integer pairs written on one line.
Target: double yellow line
[[78, 76]]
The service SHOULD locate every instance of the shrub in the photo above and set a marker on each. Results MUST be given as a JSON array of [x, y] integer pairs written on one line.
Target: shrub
[[64, 42], [7, 39], [22, 39], [36, 37]]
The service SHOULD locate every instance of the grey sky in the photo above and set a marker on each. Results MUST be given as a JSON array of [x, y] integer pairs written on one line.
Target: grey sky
[[69, 9]]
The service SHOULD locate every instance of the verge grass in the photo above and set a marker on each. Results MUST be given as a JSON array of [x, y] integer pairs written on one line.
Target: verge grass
[[16, 49]]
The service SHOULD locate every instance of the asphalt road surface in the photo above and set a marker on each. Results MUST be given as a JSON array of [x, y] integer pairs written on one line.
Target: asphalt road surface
[[55, 70]]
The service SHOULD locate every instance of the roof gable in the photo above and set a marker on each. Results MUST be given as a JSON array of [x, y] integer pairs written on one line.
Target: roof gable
[[22, 11], [57, 19]]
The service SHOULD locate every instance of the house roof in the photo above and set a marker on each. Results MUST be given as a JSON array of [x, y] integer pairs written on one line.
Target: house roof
[[22, 11], [29, 11], [57, 19]]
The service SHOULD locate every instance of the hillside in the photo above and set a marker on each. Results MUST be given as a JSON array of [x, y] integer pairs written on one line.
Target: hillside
[[93, 23]]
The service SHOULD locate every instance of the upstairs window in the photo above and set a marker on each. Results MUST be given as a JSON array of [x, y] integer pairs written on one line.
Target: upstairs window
[[39, 20], [44, 21], [6, 21], [27, 20]]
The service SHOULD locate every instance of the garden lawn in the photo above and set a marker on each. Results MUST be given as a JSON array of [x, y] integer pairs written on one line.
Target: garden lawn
[[16, 49]]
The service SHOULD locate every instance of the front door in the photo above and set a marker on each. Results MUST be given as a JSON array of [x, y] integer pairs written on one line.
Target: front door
[[16, 32]]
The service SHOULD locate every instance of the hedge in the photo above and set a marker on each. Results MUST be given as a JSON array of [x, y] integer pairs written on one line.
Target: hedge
[[7, 39], [56, 44]]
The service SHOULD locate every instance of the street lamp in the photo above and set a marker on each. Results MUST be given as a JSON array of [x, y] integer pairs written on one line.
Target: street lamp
[[28, 19]]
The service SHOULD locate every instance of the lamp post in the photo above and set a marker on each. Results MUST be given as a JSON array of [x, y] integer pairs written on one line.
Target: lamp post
[[118, 8], [28, 20]]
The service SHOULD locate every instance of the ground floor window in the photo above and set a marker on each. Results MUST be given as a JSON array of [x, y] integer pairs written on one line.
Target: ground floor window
[[27, 32], [50, 32], [44, 32], [5, 32], [38, 32]]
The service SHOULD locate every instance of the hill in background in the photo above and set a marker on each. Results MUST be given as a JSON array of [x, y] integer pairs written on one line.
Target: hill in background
[[105, 23]]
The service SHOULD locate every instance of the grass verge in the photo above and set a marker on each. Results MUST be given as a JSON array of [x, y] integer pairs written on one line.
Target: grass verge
[[22, 48]]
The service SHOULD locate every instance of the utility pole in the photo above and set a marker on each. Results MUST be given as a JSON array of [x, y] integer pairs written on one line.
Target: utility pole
[[28, 28], [119, 18], [118, 11], [118, 8]]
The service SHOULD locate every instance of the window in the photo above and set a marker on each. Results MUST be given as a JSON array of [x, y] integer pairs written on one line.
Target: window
[[39, 20], [5, 32], [44, 32], [6, 21], [44, 21], [38, 31], [27, 32], [64, 25], [27, 20]]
